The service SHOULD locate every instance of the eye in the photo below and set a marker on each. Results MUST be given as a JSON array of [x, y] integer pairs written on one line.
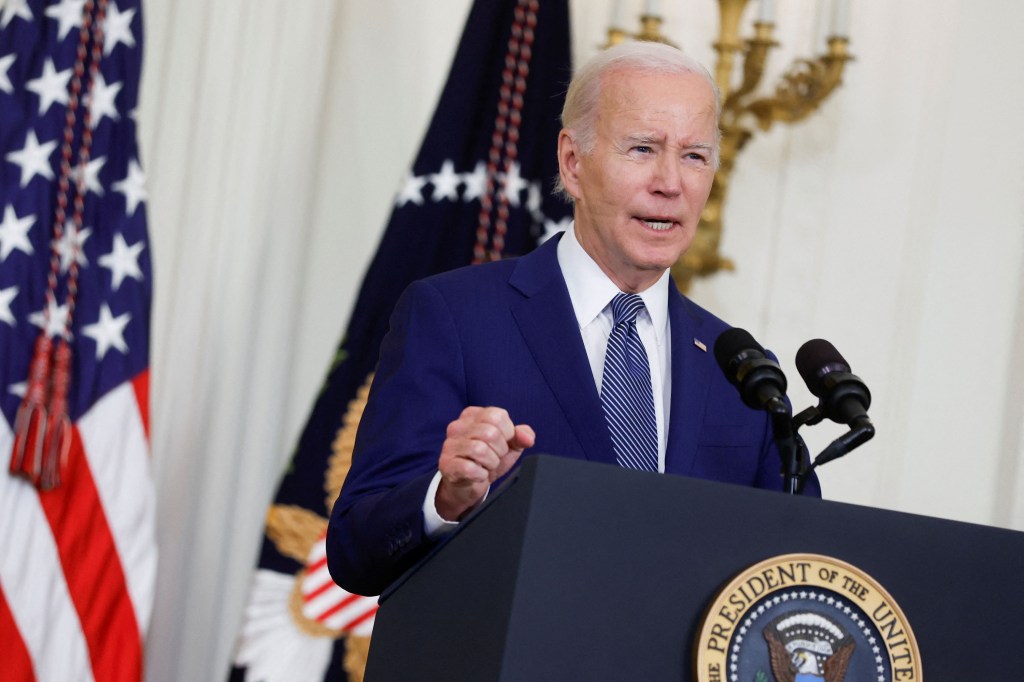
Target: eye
[[643, 149], [696, 158]]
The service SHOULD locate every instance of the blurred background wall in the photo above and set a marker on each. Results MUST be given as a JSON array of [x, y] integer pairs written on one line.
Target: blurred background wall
[[274, 136]]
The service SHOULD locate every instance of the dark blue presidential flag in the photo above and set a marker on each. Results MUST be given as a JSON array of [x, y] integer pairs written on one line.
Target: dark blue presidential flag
[[480, 189], [77, 508]]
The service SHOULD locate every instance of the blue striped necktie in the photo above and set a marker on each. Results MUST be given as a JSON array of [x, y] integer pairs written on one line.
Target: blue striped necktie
[[626, 393]]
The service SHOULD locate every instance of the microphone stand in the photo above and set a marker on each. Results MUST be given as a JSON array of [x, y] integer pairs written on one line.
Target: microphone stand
[[861, 431], [790, 445]]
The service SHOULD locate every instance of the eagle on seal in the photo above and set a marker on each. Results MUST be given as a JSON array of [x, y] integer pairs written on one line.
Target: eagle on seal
[[808, 647]]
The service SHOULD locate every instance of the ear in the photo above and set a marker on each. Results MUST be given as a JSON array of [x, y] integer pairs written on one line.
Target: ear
[[569, 162]]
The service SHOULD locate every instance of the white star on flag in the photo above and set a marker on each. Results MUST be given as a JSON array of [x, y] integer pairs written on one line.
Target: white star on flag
[[51, 86], [122, 261], [446, 183], [34, 158], [91, 176], [6, 296], [15, 8], [71, 247], [14, 233], [108, 331], [476, 182], [133, 186], [551, 228], [68, 14], [53, 318], [102, 100], [5, 79], [411, 191], [512, 183], [534, 199], [117, 28]]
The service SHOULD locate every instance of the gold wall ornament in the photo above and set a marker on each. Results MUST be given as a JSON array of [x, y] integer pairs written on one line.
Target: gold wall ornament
[[344, 443], [801, 91]]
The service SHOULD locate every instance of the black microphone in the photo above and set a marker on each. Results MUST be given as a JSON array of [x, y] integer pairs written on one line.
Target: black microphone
[[760, 380], [762, 386], [844, 398]]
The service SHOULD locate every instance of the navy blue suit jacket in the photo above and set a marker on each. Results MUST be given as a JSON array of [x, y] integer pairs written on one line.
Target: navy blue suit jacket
[[505, 334]]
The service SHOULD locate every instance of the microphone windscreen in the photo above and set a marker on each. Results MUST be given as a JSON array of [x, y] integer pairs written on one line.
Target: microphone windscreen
[[815, 360], [730, 344]]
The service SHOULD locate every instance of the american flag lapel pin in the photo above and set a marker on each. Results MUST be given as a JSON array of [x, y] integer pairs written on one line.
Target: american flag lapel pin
[[700, 344]]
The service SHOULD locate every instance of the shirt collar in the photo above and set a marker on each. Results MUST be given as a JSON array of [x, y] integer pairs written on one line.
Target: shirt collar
[[591, 291]]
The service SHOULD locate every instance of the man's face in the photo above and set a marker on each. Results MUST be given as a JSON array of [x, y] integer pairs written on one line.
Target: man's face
[[640, 191]]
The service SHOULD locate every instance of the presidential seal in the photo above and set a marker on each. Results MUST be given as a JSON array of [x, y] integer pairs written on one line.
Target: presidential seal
[[805, 618]]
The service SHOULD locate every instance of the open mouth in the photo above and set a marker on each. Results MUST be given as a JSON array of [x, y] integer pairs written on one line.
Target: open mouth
[[657, 224]]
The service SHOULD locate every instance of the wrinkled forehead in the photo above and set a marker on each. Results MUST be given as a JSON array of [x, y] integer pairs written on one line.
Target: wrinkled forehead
[[653, 92], [623, 86]]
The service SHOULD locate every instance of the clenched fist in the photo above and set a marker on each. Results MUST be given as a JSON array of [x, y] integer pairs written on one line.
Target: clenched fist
[[480, 447]]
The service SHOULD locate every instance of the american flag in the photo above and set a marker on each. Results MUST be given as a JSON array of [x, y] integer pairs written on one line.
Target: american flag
[[479, 189], [77, 507]]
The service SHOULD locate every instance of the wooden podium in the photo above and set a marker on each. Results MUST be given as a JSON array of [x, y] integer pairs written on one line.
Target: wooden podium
[[582, 571]]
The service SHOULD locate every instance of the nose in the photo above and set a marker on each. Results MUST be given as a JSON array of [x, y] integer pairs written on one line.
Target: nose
[[668, 176]]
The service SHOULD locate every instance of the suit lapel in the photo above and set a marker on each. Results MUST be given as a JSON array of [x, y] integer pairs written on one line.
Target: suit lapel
[[548, 324], [690, 385]]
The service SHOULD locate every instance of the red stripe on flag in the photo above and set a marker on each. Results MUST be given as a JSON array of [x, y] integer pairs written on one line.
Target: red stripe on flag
[[14, 657], [93, 571], [339, 606], [319, 563], [318, 591], [141, 385], [351, 625]]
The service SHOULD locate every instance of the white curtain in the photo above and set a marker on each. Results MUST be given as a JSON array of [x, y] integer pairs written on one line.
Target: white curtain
[[274, 135]]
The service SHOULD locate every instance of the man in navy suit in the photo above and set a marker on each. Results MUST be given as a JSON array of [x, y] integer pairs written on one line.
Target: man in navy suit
[[487, 362]]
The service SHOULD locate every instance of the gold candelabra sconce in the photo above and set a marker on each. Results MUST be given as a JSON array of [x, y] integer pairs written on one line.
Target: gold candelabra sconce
[[805, 85]]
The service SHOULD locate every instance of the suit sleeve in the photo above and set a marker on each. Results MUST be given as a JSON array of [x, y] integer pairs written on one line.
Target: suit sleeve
[[376, 529]]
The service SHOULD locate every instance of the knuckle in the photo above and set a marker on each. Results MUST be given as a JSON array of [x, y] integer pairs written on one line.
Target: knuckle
[[479, 449], [490, 432], [496, 415]]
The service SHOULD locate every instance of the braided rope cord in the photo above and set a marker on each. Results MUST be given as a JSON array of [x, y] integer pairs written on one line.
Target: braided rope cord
[[505, 138], [42, 426]]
